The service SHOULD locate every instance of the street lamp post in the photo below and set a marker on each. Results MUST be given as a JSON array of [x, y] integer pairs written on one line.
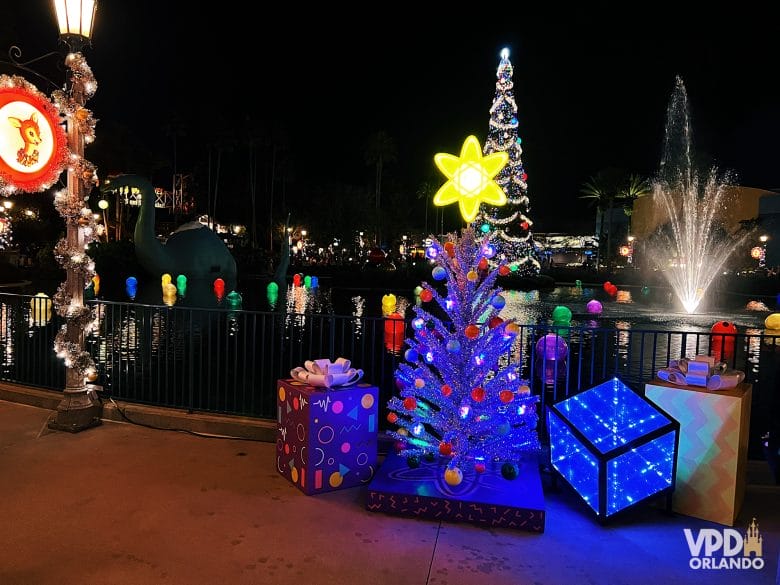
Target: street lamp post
[[80, 407], [103, 205]]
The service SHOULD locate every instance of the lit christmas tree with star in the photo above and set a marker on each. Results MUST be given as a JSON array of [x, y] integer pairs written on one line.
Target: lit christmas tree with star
[[461, 398], [510, 223]]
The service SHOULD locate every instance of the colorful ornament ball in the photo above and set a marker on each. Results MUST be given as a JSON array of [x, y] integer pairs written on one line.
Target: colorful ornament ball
[[472, 331], [453, 476], [509, 470]]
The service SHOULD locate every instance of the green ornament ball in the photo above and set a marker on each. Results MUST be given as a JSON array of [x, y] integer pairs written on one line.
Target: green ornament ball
[[413, 461], [430, 457], [561, 315], [509, 470]]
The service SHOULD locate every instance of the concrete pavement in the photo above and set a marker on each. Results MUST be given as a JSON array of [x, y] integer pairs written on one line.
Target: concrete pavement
[[122, 504]]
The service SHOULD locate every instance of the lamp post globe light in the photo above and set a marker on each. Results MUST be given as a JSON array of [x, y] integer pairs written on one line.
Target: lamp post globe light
[[80, 407]]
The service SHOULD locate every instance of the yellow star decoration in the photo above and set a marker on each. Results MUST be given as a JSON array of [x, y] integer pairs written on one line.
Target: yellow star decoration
[[470, 178]]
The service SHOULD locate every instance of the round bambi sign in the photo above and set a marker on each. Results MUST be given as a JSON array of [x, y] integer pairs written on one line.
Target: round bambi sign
[[33, 145]]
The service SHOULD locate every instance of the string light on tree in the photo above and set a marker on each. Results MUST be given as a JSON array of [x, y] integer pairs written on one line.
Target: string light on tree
[[511, 223]]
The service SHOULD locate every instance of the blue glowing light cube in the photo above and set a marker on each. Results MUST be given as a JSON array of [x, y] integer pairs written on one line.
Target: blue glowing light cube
[[613, 446]]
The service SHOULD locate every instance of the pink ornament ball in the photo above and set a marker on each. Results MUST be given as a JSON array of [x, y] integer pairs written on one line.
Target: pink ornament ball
[[594, 307], [551, 347]]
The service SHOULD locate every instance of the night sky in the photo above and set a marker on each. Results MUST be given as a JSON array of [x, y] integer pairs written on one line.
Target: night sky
[[592, 85]]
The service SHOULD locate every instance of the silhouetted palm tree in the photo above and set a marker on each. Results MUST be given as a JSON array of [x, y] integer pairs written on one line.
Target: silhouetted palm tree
[[604, 190], [635, 187], [426, 190], [380, 150]]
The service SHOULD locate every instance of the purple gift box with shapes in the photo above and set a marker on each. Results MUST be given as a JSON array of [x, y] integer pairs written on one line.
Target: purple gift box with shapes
[[326, 438]]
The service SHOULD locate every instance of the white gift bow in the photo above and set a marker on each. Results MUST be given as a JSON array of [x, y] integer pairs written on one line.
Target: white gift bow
[[317, 373]]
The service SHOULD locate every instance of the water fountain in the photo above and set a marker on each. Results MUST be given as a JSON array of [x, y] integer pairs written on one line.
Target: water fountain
[[692, 248]]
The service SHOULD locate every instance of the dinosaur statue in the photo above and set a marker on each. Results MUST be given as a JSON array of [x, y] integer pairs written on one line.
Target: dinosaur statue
[[193, 249]]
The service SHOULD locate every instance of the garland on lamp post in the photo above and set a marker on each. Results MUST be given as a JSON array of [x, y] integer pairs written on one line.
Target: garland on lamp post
[[80, 407]]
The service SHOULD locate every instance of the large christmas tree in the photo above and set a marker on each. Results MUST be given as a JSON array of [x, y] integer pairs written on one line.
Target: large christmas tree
[[461, 397], [511, 224]]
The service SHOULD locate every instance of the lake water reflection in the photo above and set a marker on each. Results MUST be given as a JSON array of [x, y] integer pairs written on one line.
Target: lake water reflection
[[630, 308]]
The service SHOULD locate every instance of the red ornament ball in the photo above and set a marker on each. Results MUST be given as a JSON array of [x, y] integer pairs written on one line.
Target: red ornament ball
[[399, 446], [495, 322], [472, 331], [449, 247], [503, 270], [506, 396], [525, 176], [524, 225], [410, 403], [478, 394], [479, 467], [483, 264], [392, 418], [426, 296], [446, 390], [445, 448]]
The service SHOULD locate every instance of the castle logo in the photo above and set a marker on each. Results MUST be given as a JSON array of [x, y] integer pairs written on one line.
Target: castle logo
[[725, 549]]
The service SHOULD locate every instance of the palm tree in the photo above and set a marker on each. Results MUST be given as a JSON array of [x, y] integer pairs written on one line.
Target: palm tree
[[604, 188], [224, 141], [380, 149], [635, 187], [426, 190]]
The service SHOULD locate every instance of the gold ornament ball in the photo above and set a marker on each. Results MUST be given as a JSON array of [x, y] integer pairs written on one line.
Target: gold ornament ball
[[772, 321], [453, 476], [92, 376], [82, 114], [472, 276]]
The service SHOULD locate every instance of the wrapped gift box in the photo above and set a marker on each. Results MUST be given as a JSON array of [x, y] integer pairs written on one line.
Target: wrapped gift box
[[712, 458], [326, 438], [614, 447]]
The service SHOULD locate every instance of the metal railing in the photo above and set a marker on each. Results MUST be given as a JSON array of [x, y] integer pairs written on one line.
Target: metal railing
[[225, 361]]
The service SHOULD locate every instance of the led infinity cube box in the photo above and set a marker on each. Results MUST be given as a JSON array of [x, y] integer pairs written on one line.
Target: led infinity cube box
[[613, 446]]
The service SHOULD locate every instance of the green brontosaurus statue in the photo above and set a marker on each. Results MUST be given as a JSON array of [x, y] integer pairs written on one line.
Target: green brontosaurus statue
[[193, 249]]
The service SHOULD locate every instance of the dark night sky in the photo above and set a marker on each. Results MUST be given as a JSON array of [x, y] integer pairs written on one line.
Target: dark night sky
[[592, 84]]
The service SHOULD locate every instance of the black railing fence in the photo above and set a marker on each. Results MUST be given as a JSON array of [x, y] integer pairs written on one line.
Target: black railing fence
[[225, 361]]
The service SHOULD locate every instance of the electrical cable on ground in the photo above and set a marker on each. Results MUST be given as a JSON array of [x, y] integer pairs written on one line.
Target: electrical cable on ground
[[186, 431]]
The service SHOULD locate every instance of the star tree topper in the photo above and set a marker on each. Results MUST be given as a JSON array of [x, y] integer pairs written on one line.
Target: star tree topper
[[470, 178]]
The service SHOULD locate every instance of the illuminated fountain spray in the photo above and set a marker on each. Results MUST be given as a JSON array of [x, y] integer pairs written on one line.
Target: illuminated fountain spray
[[693, 247]]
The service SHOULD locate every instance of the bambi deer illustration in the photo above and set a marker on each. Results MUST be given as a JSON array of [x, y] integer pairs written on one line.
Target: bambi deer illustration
[[31, 135]]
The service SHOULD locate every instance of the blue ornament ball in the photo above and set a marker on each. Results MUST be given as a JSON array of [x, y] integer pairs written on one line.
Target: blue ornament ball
[[439, 273], [498, 301], [453, 346], [411, 355]]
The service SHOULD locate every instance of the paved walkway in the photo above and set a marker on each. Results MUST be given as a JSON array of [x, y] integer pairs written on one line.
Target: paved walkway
[[122, 504]]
